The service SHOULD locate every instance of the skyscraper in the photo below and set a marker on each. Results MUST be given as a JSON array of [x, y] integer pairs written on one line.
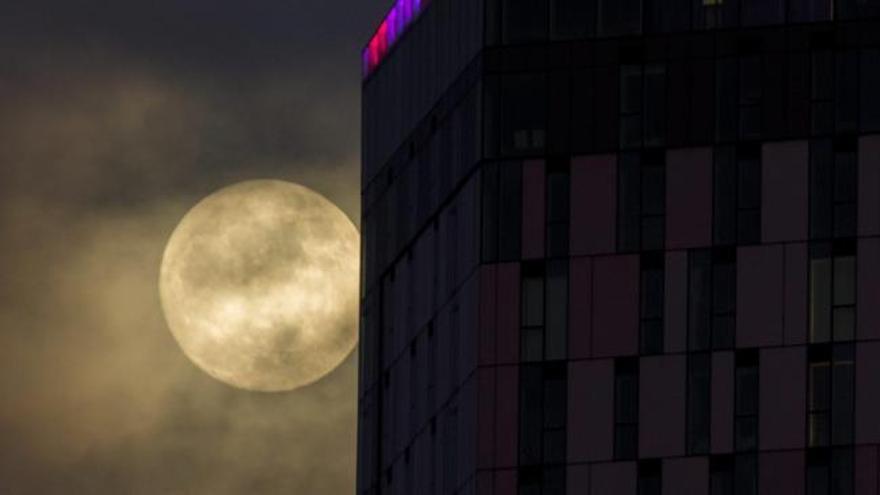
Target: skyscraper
[[620, 247]]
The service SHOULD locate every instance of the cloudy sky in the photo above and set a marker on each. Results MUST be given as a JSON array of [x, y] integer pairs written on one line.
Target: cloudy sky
[[116, 116]]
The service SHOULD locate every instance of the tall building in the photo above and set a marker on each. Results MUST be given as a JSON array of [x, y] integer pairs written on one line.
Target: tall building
[[620, 247]]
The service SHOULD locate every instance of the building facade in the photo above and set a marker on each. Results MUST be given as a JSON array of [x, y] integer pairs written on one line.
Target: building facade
[[620, 247]]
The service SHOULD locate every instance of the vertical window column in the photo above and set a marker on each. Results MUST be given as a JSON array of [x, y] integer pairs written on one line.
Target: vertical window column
[[699, 404], [737, 195], [746, 401], [650, 480], [833, 188], [501, 212], [712, 299], [626, 408], [641, 193], [832, 291], [642, 105], [831, 395], [652, 303], [542, 444], [558, 209]]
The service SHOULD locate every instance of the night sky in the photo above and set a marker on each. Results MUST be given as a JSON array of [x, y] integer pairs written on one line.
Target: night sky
[[116, 117]]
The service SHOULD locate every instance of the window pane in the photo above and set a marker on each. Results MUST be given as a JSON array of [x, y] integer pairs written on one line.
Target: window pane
[[746, 435], [523, 115], [724, 291], [821, 192], [532, 344], [809, 10], [524, 20], [531, 395], [842, 472], [746, 482], [655, 105], [843, 390], [726, 99], [870, 100], [699, 392], [847, 79], [533, 301], [820, 300], [557, 309], [762, 12], [629, 202], [489, 236], [710, 14], [723, 332], [721, 477], [510, 211], [746, 390], [652, 291], [554, 481], [817, 478], [572, 19], [844, 323], [626, 441], [844, 280], [618, 17], [700, 300], [725, 184], [650, 477]]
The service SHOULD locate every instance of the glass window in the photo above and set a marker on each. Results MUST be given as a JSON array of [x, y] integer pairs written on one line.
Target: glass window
[[629, 208], [762, 12], [650, 477], [619, 17], [831, 395], [746, 401], [721, 475], [737, 198], [509, 211], [751, 91], [555, 412], [818, 472], [523, 113], [572, 19], [842, 394], [870, 99], [655, 105], [726, 94], [822, 92], [582, 110], [832, 291], [830, 472], [711, 14], [847, 91], [664, 16], [532, 300], [653, 202], [490, 200], [631, 91], [524, 20], [557, 310], [531, 416], [809, 10], [557, 208], [698, 403], [746, 475], [712, 299], [626, 408], [652, 303]]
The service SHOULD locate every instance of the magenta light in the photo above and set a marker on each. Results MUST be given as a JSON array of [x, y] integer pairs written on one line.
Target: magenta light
[[392, 28]]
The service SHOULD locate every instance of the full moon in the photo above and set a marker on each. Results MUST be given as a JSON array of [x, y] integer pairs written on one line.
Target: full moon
[[259, 285]]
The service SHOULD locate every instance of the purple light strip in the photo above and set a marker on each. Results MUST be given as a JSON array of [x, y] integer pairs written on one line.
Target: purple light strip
[[392, 28]]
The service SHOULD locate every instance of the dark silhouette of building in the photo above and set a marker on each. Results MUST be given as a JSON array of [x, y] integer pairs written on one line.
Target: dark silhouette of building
[[620, 247]]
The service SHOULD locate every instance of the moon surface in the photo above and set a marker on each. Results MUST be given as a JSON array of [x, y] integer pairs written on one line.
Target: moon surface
[[259, 285]]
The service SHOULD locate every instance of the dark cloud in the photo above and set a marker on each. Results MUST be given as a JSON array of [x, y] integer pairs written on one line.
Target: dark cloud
[[117, 116]]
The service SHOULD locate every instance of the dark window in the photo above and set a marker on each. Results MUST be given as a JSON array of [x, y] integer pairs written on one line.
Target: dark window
[[642, 105], [650, 480], [652, 303], [711, 14], [641, 201], [737, 195], [532, 300], [617, 17], [847, 91], [809, 10], [870, 99], [544, 314], [664, 16], [726, 99], [751, 93], [745, 480], [543, 396], [626, 408], [712, 299], [831, 395], [830, 472], [762, 12], [833, 188], [746, 401], [582, 110], [523, 113], [572, 19], [721, 475], [556, 337], [699, 389], [832, 291], [501, 212], [557, 208], [524, 20], [822, 92]]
